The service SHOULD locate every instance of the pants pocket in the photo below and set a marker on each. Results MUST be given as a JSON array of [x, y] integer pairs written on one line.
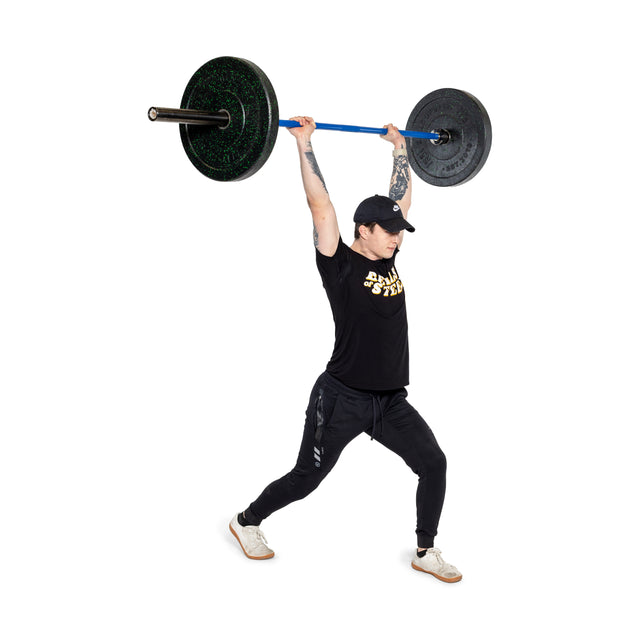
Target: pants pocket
[[319, 423]]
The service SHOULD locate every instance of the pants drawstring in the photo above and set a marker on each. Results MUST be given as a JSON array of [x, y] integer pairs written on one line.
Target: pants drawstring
[[375, 400]]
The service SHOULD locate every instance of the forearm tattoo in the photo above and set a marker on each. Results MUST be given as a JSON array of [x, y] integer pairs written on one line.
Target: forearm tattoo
[[313, 163], [399, 178]]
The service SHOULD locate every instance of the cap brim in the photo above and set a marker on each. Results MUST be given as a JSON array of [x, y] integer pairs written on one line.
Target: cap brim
[[395, 225]]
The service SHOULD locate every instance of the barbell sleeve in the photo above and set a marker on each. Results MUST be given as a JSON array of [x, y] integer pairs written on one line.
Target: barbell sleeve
[[190, 116]]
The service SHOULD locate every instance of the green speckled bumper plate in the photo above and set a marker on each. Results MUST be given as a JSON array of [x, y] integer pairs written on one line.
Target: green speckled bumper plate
[[244, 91]]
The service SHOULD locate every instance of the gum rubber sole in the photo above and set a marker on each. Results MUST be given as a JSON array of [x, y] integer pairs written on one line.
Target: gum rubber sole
[[235, 535], [435, 575]]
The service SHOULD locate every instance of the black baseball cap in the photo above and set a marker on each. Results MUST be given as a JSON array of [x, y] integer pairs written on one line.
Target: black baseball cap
[[385, 211]]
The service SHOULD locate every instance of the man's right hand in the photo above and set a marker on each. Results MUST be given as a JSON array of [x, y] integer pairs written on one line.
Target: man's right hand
[[306, 128]]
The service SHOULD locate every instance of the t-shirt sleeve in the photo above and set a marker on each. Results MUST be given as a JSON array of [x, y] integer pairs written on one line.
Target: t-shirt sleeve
[[332, 268]]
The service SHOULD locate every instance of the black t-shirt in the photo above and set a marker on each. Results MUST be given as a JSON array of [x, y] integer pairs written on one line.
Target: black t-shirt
[[371, 350]]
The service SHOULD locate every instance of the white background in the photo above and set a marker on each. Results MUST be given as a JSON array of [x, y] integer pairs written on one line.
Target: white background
[[160, 332]]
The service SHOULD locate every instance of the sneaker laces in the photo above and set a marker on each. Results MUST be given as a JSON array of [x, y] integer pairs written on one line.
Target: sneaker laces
[[437, 554], [443, 567], [260, 535], [257, 535]]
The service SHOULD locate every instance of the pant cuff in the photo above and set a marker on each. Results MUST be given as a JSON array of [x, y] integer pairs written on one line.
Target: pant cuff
[[252, 518], [424, 541]]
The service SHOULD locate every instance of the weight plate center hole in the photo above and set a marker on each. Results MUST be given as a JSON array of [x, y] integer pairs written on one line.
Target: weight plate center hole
[[445, 136], [226, 126]]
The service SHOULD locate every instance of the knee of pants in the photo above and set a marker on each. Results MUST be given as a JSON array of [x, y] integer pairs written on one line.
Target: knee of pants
[[433, 465], [303, 481]]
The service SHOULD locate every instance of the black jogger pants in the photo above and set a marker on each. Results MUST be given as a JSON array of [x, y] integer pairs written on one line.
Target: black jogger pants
[[336, 415]]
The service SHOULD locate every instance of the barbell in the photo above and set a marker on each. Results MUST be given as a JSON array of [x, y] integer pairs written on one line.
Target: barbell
[[229, 121]]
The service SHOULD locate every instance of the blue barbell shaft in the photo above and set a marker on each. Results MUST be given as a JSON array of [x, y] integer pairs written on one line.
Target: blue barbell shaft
[[289, 124]]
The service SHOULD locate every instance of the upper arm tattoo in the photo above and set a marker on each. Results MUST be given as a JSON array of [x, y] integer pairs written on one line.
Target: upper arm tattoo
[[316, 238], [399, 178]]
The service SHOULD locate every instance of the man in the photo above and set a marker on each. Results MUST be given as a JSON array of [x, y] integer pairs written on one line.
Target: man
[[362, 388]]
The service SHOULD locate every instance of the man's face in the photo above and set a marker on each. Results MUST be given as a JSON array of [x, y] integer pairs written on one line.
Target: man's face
[[379, 242]]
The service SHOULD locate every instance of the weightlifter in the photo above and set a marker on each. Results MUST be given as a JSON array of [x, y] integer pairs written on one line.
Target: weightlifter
[[363, 387]]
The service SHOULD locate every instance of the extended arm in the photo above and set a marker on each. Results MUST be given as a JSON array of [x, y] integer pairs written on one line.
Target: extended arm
[[325, 223], [400, 186]]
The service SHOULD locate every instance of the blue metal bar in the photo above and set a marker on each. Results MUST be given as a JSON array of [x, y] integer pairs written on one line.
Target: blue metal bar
[[353, 128]]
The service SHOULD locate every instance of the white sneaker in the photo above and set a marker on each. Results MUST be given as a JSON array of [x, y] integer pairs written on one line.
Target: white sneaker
[[251, 540], [433, 563]]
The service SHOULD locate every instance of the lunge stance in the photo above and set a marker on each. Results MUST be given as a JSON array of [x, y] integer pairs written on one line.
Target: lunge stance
[[363, 387]]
